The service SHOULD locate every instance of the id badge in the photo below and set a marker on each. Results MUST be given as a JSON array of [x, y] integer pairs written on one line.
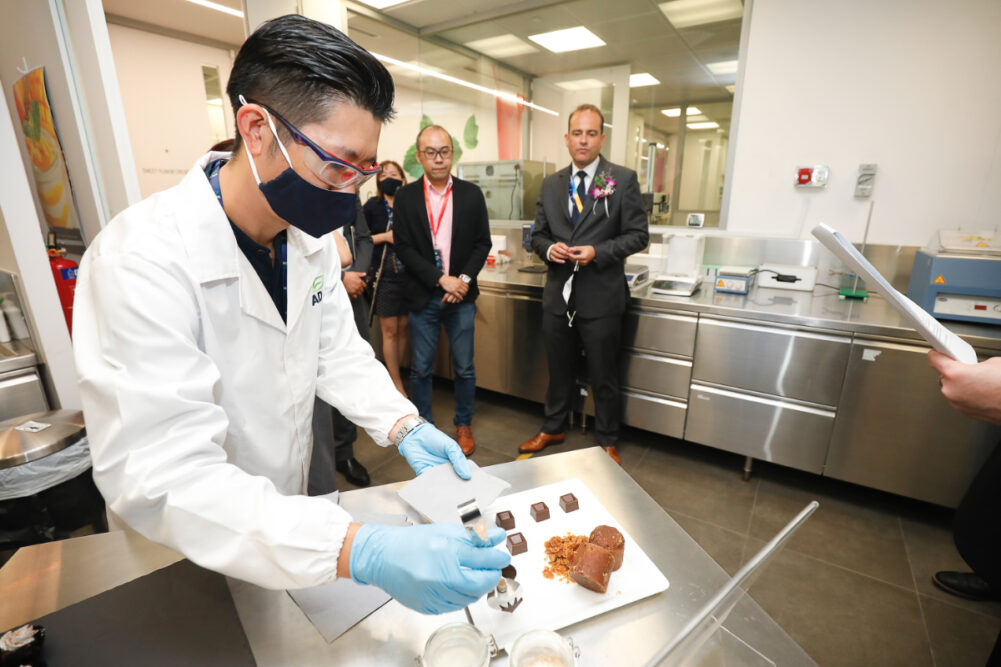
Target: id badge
[[437, 259]]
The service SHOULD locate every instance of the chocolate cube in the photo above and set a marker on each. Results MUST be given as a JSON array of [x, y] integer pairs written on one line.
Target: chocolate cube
[[516, 544], [509, 572], [505, 520], [569, 502], [540, 512]]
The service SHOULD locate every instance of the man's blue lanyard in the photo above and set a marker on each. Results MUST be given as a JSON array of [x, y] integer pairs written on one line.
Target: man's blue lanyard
[[213, 174]]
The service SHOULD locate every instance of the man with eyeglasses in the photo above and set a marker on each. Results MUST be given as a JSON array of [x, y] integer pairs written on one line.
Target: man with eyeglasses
[[208, 317], [442, 235]]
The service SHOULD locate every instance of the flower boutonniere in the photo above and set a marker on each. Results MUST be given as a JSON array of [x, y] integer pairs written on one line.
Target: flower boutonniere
[[603, 188]]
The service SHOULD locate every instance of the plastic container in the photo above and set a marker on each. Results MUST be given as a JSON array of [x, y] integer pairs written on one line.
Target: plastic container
[[456, 645], [543, 648]]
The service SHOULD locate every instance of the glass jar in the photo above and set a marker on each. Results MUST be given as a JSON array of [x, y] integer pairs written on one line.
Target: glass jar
[[543, 648], [456, 645]]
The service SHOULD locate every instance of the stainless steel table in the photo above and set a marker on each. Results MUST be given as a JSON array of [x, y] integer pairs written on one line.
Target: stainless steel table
[[46, 577]]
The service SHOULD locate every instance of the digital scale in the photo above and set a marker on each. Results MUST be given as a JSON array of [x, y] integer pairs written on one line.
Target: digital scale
[[637, 275]]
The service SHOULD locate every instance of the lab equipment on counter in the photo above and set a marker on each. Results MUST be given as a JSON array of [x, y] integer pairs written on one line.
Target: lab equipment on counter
[[734, 279], [962, 280], [681, 268], [787, 276], [510, 187], [940, 338], [637, 275]]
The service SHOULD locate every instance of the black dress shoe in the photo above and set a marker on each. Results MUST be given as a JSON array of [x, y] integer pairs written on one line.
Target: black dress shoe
[[965, 584], [354, 472]]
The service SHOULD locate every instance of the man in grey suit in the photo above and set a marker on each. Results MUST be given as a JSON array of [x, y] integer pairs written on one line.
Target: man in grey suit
[[589, 218]]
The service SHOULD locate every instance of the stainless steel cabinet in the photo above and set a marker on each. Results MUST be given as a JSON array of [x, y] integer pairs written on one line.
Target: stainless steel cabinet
[[895, 431], [509, 355], [657, 374], [654, 413], [783, 362], [21, 393], [660, 332], [781, 431]]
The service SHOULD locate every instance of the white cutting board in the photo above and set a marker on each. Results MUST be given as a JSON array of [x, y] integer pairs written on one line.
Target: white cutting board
[[551, 604]]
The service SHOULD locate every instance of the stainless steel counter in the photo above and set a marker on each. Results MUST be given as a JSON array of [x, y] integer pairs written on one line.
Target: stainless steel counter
[[44, 578], [821, 309]]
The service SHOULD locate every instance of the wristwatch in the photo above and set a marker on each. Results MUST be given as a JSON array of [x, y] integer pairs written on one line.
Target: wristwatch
[[466, 279], [407, 427]]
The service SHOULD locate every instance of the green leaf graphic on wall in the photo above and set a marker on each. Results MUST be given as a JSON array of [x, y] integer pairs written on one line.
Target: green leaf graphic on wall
[[425, 121], [411, 165], [470, 135], [456, 150]]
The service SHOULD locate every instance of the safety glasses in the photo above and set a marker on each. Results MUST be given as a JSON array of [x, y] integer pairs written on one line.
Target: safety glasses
[[332, 170]]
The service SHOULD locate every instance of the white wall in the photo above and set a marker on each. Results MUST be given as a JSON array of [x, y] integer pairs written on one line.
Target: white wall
[[912, 85], [164, 97]]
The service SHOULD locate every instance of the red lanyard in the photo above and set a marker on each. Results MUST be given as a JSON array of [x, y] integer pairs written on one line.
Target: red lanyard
[[435, 226]]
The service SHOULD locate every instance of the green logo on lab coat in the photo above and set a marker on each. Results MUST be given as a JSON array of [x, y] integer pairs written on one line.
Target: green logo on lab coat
[[317, 283]]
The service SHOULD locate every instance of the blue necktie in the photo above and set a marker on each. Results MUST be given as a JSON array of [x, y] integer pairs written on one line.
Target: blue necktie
[[574, 213]]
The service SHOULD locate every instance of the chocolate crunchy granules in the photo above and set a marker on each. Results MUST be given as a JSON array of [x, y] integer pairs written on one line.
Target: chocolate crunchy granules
[[560, 551]]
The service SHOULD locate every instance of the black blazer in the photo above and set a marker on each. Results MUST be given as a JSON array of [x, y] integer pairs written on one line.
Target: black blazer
[[412, 238], [600, 287]]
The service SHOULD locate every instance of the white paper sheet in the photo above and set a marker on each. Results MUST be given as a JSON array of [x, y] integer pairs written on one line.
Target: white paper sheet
[[336, 608], [437, 493], [930, 329]]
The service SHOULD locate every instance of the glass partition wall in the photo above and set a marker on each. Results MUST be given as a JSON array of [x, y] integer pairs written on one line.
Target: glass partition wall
[[663, 74]]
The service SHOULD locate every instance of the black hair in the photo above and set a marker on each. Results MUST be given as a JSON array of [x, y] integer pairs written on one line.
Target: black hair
[[417, 142], [301, 68], [587, 107]]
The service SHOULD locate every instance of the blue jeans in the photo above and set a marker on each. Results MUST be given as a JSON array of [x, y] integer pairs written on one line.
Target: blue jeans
[[425, 326]]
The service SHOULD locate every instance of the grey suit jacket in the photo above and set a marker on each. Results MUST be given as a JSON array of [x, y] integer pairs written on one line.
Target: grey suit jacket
[[359, 240], [600, 287]]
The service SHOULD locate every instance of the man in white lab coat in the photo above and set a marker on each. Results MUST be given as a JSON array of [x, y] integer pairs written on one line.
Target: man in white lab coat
[[208, 316]]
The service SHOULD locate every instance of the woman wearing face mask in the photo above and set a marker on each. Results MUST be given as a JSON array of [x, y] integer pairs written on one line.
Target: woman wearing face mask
[[387, 273]]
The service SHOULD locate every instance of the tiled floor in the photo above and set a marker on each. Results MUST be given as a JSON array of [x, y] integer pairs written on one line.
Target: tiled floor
[[853, 587]]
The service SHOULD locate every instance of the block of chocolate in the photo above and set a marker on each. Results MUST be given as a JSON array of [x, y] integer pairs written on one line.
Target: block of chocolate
[[516, 544], [610, 539], [509, 572], [540, 511], [592, 566], [568, 502], [505, 520]]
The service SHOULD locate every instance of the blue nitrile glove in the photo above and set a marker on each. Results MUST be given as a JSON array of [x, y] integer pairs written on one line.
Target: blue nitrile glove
[[426, 447], [432, 568]]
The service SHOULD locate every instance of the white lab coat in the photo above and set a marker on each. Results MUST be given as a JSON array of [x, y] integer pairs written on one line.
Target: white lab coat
[[198, 398]]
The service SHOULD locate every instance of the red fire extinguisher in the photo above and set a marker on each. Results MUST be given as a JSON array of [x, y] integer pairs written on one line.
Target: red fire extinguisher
[[64, 272]]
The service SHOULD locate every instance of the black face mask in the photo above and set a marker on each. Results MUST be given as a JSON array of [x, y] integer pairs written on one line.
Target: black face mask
[[389, 186], [314, 210]]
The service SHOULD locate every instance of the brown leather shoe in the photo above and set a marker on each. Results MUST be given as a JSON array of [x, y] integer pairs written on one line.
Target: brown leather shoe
[[614, 453], [464, 436], [537, 443]]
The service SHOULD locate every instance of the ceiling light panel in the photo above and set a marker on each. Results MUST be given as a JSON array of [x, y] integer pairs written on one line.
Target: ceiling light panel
[[382, 4], [568, 39], [723, 67], [688, 13], [642, 79], [502, 46], [675, 112], [581, 84], [709, 125]]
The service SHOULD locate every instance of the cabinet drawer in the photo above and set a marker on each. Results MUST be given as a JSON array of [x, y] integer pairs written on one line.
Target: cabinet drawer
[[772, 430], [660, 332], [21, 393], [782, 362], [651, 413], [657, 375]]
